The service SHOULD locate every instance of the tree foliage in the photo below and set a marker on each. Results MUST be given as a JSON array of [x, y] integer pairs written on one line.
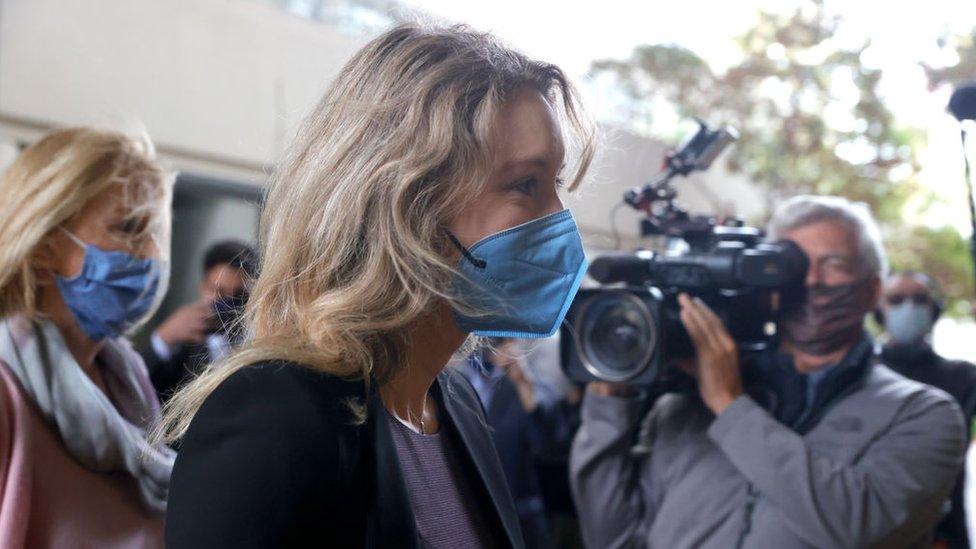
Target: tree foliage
[[960, 72], [812, 119]]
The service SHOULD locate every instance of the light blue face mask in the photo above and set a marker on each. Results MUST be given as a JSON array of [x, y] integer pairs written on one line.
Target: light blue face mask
[[908, 322], [521, 280], [113, 291]]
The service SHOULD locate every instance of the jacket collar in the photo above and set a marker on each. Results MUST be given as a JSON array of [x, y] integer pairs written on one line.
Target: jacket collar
[[464, 415], [392, 516], [908, 356], [786, 389]]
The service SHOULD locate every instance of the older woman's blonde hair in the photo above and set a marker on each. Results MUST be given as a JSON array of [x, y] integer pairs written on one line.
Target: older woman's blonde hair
[[354, 231], [53, 180]]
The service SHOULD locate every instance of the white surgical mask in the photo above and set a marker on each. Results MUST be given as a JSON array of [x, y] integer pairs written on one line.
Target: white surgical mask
[[908, 322]]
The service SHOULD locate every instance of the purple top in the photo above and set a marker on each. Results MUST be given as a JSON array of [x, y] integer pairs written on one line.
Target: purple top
[[443, 503]]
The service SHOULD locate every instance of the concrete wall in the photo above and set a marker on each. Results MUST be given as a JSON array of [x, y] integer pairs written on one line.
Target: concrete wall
[[218, 84]]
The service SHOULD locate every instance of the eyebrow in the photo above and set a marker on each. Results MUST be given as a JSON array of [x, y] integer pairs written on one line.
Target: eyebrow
[[535, 162], [845, 257], [849, 261]]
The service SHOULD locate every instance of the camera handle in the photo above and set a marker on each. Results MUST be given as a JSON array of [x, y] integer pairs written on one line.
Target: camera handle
[[656, 198]]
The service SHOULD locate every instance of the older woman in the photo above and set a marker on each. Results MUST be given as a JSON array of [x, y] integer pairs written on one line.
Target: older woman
[[83, 246], [419, 204]]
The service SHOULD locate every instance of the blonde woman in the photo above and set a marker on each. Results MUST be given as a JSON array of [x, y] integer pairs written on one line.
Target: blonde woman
[[418, 204], [83, 245]]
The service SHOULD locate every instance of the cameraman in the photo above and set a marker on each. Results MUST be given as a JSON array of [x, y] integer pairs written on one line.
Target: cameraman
[[828, 449], [203, 331]]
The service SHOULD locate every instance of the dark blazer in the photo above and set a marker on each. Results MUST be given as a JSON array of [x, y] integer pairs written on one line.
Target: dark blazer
[[274, 458]]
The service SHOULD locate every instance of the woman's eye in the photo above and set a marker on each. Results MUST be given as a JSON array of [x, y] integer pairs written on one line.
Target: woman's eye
[[132, 226], [560, 182], [527, 186]]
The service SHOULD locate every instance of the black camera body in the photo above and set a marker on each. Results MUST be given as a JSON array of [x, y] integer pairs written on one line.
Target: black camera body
[[628, 333], [629, 330]]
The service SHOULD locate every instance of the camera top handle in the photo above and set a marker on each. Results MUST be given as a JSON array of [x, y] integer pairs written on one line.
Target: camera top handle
[[696, 155]]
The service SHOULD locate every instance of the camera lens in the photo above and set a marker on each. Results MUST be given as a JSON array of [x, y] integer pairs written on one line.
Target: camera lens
[[616, 336]]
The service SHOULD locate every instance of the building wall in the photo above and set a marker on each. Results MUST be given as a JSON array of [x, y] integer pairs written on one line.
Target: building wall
[[625, 160], [218, 84]]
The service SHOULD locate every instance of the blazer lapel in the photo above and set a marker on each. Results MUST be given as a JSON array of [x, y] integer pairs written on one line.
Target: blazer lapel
[[391, 522], [481, 451]]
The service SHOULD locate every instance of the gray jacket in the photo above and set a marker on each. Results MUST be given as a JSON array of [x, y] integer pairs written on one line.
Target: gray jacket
[[875, 471]]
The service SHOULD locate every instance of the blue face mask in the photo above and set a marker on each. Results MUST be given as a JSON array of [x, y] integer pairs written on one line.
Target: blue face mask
[[908, 322], [113, 291], [521, 280]]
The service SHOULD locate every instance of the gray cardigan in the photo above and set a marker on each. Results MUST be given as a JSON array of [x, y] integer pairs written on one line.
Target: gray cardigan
[[875, 471]]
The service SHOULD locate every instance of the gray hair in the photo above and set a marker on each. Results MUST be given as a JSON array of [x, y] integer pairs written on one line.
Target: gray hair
[[804, 210]]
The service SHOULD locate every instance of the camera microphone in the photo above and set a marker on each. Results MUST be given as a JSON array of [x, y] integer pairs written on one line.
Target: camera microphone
[[962, 104]]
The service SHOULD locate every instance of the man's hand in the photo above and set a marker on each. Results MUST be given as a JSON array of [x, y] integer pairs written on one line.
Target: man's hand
[[716, 365], [188, 324]]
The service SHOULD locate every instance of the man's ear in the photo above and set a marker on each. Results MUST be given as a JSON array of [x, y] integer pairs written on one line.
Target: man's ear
[[876, 310], [875, 291]]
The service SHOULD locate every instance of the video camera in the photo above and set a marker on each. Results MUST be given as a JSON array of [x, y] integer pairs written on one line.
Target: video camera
[[629, 329]]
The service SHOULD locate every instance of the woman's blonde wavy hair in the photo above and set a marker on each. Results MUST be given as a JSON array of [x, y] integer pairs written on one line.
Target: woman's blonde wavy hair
[[354, 231], [54, 179]]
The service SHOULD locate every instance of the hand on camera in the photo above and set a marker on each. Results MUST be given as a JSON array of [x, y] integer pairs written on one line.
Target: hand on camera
[[716, 363]]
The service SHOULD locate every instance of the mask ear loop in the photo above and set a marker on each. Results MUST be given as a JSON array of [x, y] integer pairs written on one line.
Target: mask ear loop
[[476, 261], [74, 238]]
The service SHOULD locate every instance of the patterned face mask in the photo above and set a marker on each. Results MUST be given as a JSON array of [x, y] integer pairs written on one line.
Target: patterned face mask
[[826, 318]]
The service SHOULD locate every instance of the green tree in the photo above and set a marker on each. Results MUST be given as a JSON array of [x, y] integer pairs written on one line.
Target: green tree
[[962, 71], [812, 119]]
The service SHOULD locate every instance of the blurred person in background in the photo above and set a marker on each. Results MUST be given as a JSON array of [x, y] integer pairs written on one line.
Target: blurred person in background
[[419, 203], [206, 330], [84, 247], [524, 429], [823, 448], [910, 305], [554, 390]]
